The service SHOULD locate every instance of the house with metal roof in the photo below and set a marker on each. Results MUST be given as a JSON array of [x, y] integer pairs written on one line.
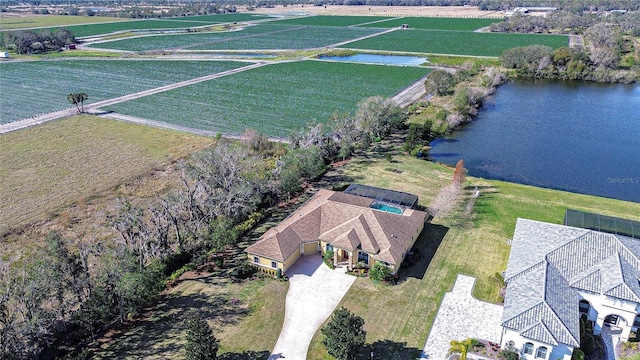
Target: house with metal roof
[[357, 229], [555, 275]]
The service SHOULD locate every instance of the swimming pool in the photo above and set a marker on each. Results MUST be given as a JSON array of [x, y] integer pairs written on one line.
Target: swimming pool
[[387, 208]]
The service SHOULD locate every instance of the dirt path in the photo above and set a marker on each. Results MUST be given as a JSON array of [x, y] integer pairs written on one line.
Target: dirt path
[[360, 38], [16, 125], [411, 94]]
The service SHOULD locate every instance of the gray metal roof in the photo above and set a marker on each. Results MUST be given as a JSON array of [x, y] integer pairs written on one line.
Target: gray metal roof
[[547, 266]]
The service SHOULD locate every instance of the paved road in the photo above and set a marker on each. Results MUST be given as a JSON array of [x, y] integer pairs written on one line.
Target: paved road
[[314, 292], [461, 316]]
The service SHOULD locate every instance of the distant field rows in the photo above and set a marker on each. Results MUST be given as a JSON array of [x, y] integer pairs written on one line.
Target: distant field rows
[[454, 42], [262, 37], [273, 99], [156, 24], [32, 88], [429, 23]]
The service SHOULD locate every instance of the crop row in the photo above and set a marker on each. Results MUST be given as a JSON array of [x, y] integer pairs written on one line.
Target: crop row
[[32, 88], [454, 42], [264, 36], [273, 99], [327, 20], [434, 23], [220, 18]]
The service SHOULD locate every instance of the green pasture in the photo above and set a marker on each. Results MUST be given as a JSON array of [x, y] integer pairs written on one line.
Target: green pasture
[[273, 99], [260, 37], [454, 42], [147, 24], [436, 23], [38, 21], [37, 87], [327, 20]]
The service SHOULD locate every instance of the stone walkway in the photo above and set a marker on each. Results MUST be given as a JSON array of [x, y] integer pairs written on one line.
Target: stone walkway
[[461, 316], [314, 292]]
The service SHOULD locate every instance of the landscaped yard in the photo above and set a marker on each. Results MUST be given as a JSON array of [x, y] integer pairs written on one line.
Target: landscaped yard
[[273, 99], [46, 167], [454, 42], [398, 318], [50, 81]]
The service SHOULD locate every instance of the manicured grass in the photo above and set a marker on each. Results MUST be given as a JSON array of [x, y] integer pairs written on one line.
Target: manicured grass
[[25, 22], [261, 37], [273, 99], [436, 23], [46, 167], [242, 328], [404, 313], [454, 42], [327, 20], [51, 81]]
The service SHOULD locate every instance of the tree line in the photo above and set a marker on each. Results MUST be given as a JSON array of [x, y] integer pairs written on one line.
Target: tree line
[[36, 41], [64, 293]]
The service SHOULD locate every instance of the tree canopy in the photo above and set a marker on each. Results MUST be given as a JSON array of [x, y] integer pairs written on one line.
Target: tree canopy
[[344, 335], [201, 344]]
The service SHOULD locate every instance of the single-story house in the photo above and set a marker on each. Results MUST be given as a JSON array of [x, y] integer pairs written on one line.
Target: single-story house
[[557, 274], [357, 229]]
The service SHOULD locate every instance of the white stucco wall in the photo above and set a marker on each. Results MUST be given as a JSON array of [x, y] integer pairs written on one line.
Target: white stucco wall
[[602, 306], [553, 353]]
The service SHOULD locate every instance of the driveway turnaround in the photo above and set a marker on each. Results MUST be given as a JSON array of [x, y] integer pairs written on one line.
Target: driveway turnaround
[[314, 292], [461, 316]]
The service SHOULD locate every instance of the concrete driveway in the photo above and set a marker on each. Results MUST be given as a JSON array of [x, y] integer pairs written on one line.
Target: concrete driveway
[[314, 292]]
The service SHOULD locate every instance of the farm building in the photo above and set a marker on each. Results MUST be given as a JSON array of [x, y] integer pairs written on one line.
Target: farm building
[[4, 54], [558, 274], [357, 229]]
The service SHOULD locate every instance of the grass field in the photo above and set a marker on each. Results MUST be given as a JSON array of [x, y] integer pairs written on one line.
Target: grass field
[[46, 167], [262, 37], [398, 318], [454, 42], [436, 23], [273, 99], [250, 327], [25, 22], [50, 81], [326, 20], [220, 18]]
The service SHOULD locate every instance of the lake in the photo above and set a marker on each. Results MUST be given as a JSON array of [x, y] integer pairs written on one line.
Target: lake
[[575, 136], [399, 60]]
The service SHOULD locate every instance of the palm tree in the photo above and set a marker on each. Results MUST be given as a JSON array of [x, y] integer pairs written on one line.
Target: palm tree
[[461, 347]]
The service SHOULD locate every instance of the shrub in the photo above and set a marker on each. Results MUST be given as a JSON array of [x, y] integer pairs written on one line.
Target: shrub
[[380, 272], [577, 354]]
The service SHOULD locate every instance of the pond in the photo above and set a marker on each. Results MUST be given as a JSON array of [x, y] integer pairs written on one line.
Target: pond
[[575, 136], [379, 59]]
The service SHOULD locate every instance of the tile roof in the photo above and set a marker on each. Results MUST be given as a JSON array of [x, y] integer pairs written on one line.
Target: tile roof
[[345, 221], [547, 266]]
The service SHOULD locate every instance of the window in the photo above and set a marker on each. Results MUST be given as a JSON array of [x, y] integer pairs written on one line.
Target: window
[[256, 259], [364, 257], [329, 247], [636, 322], [528, 348], [541, 353], [274, 265], [584, 306]]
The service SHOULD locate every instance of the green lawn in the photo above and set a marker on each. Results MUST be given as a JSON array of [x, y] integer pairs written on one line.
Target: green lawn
[[398, 318], [243, 318], [51, 81], [436, 23], [37, 21], [273, 99], [454, 42], [328, 20]]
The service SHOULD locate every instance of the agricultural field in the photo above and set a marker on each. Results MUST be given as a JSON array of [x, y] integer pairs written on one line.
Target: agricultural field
[[436, 23], [38, 87], [342, 21], [220, 18], [147, 24], [454, 42], [262, 37], [272, 99], [49, 166], [38, 21]]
